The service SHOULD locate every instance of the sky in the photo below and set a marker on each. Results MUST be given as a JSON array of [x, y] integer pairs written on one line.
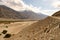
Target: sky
[[48, 7]]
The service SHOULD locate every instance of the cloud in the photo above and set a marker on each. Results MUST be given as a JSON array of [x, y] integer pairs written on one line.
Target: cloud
[[53, 3], [32, 8], [49, 12], [56, 4], [19, 5], [14, 4], [54, 7]]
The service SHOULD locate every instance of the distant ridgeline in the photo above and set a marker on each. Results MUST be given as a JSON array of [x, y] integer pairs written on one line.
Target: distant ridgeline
[[6, 12]]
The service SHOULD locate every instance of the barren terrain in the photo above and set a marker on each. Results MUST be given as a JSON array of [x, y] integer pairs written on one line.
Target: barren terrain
[[14, 27], [27, 25], [47, 29]]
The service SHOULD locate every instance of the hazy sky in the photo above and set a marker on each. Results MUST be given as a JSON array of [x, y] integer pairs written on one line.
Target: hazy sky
[[47, 7], [44, 4]]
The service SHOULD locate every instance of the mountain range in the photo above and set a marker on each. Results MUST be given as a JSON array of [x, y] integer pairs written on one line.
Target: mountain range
[[6, 12]]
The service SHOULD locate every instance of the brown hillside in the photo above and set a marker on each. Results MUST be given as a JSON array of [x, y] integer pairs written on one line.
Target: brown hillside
[[46, 29], [57, 14], [6, 12]]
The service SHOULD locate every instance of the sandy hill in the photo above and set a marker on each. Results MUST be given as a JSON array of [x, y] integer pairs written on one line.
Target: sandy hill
[[6, 12], [47, 29]]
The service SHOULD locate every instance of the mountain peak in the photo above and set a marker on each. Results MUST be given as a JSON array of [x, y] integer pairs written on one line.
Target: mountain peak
[[6, 12], [5, 7]]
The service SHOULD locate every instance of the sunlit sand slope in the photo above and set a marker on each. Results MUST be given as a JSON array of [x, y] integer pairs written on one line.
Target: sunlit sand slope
[[47, 29]]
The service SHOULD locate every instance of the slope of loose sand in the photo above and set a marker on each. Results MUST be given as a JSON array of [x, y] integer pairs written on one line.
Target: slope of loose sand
[[47, 29]]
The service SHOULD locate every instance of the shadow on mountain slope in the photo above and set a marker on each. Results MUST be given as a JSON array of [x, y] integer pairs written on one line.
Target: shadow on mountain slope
[[6, 12]]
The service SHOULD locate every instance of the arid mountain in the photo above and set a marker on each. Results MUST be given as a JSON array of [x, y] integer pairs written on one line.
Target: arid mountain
[[6, 12], [57, 14], [31, 15]]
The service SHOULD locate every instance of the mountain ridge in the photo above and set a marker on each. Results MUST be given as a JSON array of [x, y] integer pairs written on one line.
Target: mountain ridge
[[6, 12], [57, 14]]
